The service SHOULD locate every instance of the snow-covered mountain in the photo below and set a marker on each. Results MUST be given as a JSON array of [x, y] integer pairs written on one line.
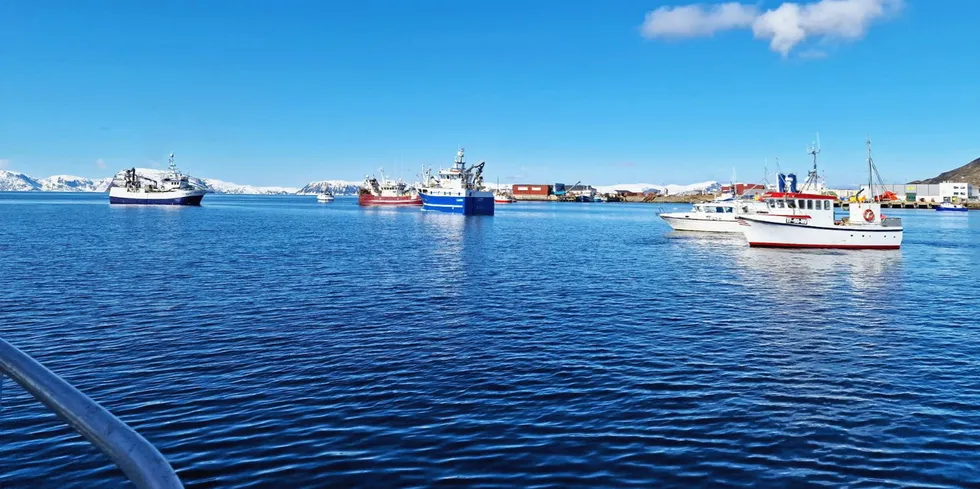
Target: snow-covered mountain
[[336, 187], [69, 183], [222, 187], [671, 189], [11, 181]]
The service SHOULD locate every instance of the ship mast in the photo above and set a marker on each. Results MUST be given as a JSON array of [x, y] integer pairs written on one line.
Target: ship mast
[[871, 171], [812, 177]]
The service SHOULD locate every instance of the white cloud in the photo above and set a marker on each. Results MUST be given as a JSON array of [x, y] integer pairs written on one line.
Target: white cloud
[[101, 164], [698, 20], [784, 27], [4, 164]]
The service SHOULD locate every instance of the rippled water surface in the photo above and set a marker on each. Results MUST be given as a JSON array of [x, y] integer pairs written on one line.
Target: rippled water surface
[[277, 342]]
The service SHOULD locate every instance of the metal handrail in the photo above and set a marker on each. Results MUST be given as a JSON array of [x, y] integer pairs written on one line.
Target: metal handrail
[[138, 459]]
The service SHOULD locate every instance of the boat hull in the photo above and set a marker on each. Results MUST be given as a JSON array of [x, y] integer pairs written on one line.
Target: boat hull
[[681, 222], [373, 200], [772, 233], [475, 204], [954, 209], [122, 196]]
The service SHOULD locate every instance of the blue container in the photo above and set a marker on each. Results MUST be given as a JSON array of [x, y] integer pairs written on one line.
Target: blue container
[[791, 180], [781, 179]]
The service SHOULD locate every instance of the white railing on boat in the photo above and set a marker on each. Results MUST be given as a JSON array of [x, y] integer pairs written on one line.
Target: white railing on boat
[[142, 463]]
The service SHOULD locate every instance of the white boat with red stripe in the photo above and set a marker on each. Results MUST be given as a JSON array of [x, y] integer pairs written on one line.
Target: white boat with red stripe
[[805, 220]]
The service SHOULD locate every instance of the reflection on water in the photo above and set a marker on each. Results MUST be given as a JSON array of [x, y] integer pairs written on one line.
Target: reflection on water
[[800, 272]]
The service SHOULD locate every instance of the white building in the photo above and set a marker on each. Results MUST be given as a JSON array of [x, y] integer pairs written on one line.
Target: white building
[[955, 191]]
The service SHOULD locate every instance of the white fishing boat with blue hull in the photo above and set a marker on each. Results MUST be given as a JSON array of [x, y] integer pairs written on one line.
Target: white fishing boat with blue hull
[[457, 190], [948, 206], [173, 189]]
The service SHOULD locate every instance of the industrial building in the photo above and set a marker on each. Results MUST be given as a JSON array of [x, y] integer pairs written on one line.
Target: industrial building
[[531, 191], [913, 192]]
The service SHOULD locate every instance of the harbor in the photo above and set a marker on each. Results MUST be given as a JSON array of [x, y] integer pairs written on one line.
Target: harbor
[[489, 245]]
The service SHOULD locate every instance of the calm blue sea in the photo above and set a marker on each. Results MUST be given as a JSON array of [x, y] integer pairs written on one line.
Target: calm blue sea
[[278, 342]]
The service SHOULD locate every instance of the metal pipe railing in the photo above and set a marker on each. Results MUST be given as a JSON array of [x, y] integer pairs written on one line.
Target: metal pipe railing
[[138, 459]]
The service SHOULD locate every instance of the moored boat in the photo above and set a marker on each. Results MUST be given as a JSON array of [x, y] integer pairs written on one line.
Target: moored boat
[[325, 197], [717, 216], [802, 220], [951, 207], [387, 192], [457, 190], [173, 189], [501, 196]]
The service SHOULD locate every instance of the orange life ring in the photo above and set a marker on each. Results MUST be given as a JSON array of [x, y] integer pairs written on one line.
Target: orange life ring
[[869, 215]]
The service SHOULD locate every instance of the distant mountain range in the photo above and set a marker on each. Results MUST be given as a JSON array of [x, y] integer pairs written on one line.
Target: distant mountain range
[[19, 182], [336, 187], [968, 173], [11, 181]]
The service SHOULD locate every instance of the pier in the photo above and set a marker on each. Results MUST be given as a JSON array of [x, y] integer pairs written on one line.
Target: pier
[[973, 206]]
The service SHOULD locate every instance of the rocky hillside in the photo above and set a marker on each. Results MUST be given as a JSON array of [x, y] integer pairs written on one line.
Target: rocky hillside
[[969, 173]]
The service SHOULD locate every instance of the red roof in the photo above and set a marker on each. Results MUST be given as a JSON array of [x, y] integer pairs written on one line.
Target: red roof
[[790, 195]]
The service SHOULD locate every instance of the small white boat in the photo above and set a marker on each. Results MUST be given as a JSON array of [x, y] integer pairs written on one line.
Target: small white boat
[[501, 196], [718, 216], [325, 197]]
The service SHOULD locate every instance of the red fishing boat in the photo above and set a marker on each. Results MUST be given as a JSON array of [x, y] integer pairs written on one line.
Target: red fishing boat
[[385, 192]]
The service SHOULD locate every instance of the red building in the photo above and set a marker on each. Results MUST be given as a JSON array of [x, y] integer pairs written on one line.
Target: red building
[[743, 188], [531, 189]]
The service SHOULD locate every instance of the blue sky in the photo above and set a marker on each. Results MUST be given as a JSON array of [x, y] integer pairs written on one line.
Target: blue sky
[[282, 93]]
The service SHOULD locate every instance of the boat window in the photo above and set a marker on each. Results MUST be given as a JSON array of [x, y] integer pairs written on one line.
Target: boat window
[[791, 204], [809, 205], [720, 210], [826, 205], [802, 204], [781, 203], [728, 210]]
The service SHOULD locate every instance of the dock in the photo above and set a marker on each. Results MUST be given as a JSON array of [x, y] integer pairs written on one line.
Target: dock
[[973, 206]]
